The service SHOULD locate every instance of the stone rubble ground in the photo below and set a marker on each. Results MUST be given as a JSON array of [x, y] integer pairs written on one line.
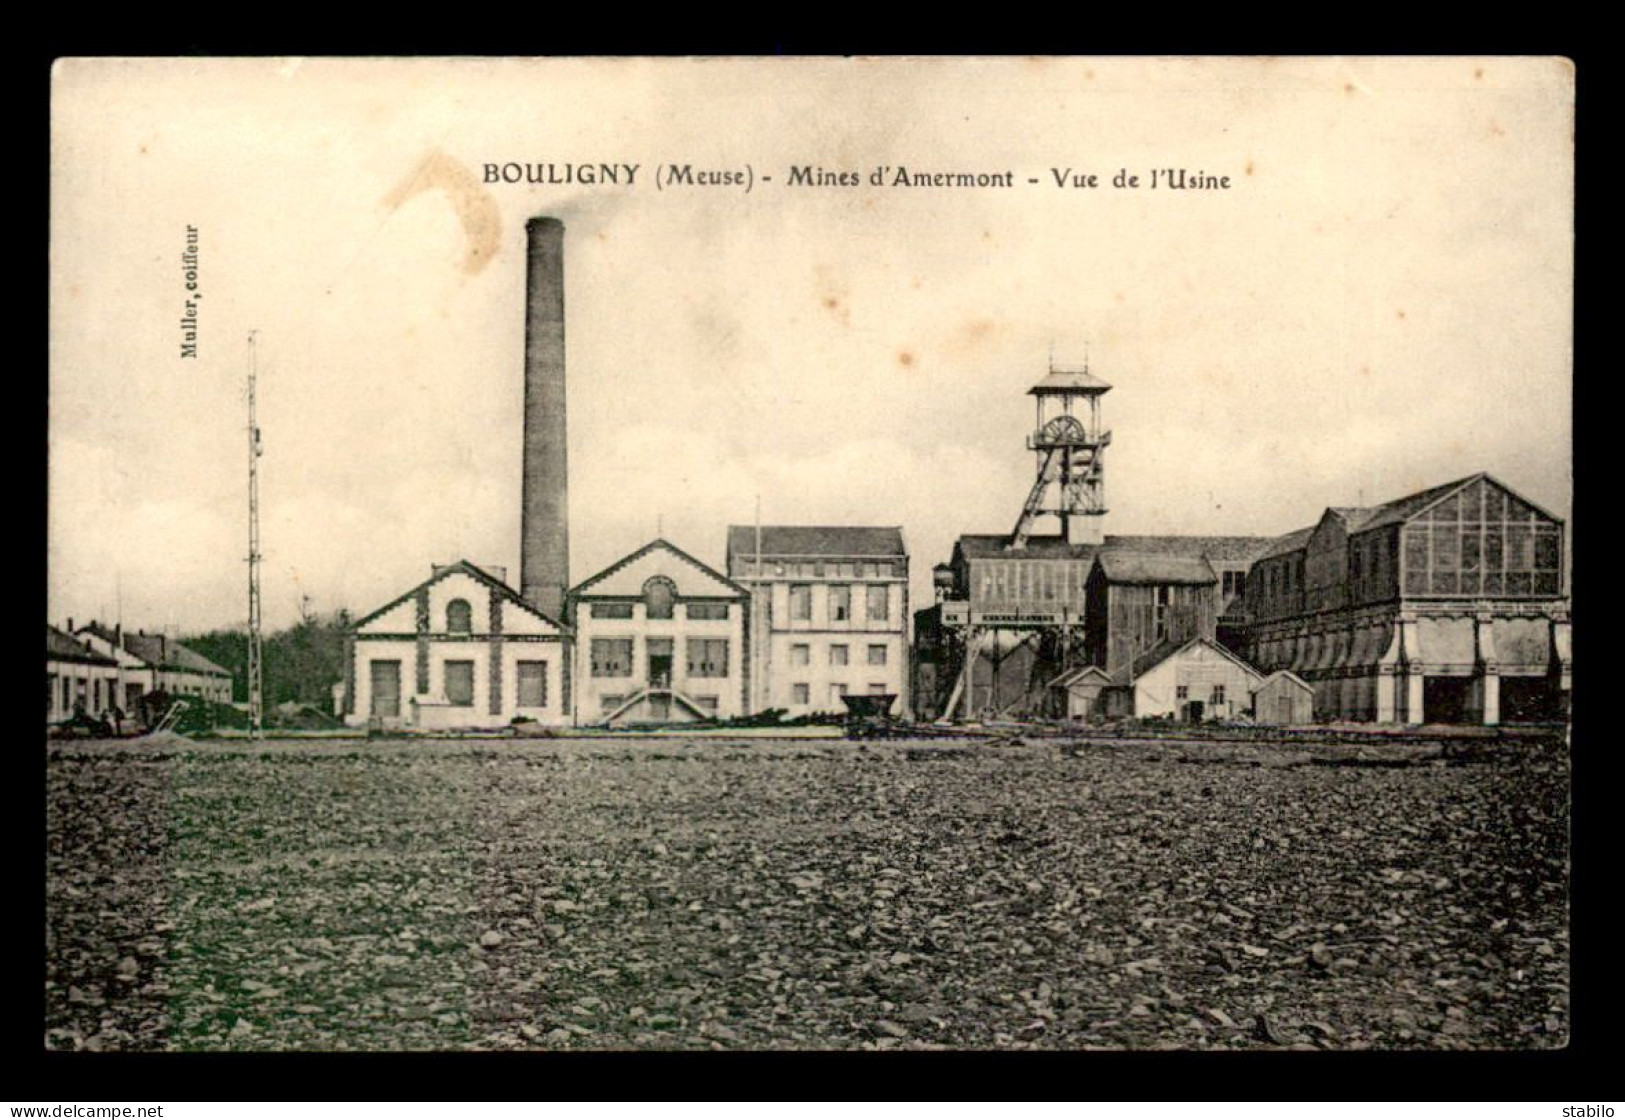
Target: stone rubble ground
[[580, 894]]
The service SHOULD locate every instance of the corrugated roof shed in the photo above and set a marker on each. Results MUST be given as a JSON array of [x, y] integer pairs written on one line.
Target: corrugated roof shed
[[1140, 567], [60, 646], [817, 540]]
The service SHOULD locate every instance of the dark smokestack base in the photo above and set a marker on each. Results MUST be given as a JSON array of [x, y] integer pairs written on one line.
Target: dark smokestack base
[[544, 549]]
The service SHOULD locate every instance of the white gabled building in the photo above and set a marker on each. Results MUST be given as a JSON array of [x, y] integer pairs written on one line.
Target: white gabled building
[[661, 639], [460, 650], [77, 678]]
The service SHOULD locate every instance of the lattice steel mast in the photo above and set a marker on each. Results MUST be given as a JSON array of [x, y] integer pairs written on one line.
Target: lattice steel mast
[[256, 684]]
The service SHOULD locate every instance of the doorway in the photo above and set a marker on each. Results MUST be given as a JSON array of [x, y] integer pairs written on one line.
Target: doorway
[[660, 658], [1444, 699], [386, 688]]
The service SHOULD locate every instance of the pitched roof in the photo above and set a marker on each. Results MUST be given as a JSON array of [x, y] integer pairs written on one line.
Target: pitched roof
[[1401, 509], [496, 586], [985, 546], [659, 542], [817, 540], [1073, 676], [1165, 649], [1292, 542], [61, 646], [166, 653], [1209, 548], [1065, 380], [1287, 674], [982, 546], [1141, 567], [1354, 517]]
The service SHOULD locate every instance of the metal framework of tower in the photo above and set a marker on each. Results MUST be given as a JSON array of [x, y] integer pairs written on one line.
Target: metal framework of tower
[[1070, 445], [1069, 484], [256, 690]]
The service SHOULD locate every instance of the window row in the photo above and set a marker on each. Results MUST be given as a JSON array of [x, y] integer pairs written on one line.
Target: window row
[[801, 693], [613, 657], [1032, 580], [822, 569], [839, 654], [696, 611], [877, 602], [459, 676]]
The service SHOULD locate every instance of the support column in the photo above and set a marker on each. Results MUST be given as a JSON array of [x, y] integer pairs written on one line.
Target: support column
[[1413, 697], [1409, 682], [1385, 694], [1484, 699]]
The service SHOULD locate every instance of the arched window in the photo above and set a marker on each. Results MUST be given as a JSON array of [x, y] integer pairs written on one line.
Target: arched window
[[659, 593], [459, 618]]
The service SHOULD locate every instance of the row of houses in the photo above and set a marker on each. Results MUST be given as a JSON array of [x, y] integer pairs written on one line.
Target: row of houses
[[802, 616], [99, 671]]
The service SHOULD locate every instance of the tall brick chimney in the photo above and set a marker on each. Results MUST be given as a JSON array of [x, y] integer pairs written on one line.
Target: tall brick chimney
[[544, 546]]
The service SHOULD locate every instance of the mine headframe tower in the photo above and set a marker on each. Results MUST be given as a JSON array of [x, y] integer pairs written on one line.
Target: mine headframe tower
[[1069, 484], [1070, 445]]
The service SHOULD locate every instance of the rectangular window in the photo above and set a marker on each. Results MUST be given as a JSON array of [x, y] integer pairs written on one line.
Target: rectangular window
[[460, 683], [1520, 548], [800, 655], [708, 703], [836, 691], [612, 657], [708, 657], [612, 610], [800, 602], [607, 704], [1218, 694], [706, 612], [1547, 550], [837, 655], [840, 603], [800, 694], [1182, 692], [877, 654], [818, 569], [1446, 548], [879, 602], [532, 684], [878, 689]]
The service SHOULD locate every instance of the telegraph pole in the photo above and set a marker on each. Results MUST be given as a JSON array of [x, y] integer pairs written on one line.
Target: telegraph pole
[[256, 684]]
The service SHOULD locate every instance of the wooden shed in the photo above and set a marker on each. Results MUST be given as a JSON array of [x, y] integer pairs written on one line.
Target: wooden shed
[[1078, 695], [1283, 698]]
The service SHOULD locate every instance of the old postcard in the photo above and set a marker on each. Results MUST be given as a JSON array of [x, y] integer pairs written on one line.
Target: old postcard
[[489, 498]]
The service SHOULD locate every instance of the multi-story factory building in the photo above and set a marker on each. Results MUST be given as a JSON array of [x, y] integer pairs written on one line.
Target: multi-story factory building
[[829, 613], [1442, 606], [661, 638]]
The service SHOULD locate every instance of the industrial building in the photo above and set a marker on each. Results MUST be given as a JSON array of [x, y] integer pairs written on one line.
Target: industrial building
[[462, 649], [662, 639], [1015, 611], [829, 609], [1446, 605]]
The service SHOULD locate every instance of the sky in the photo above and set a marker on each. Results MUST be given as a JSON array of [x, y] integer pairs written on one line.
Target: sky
[[1380, 302]]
